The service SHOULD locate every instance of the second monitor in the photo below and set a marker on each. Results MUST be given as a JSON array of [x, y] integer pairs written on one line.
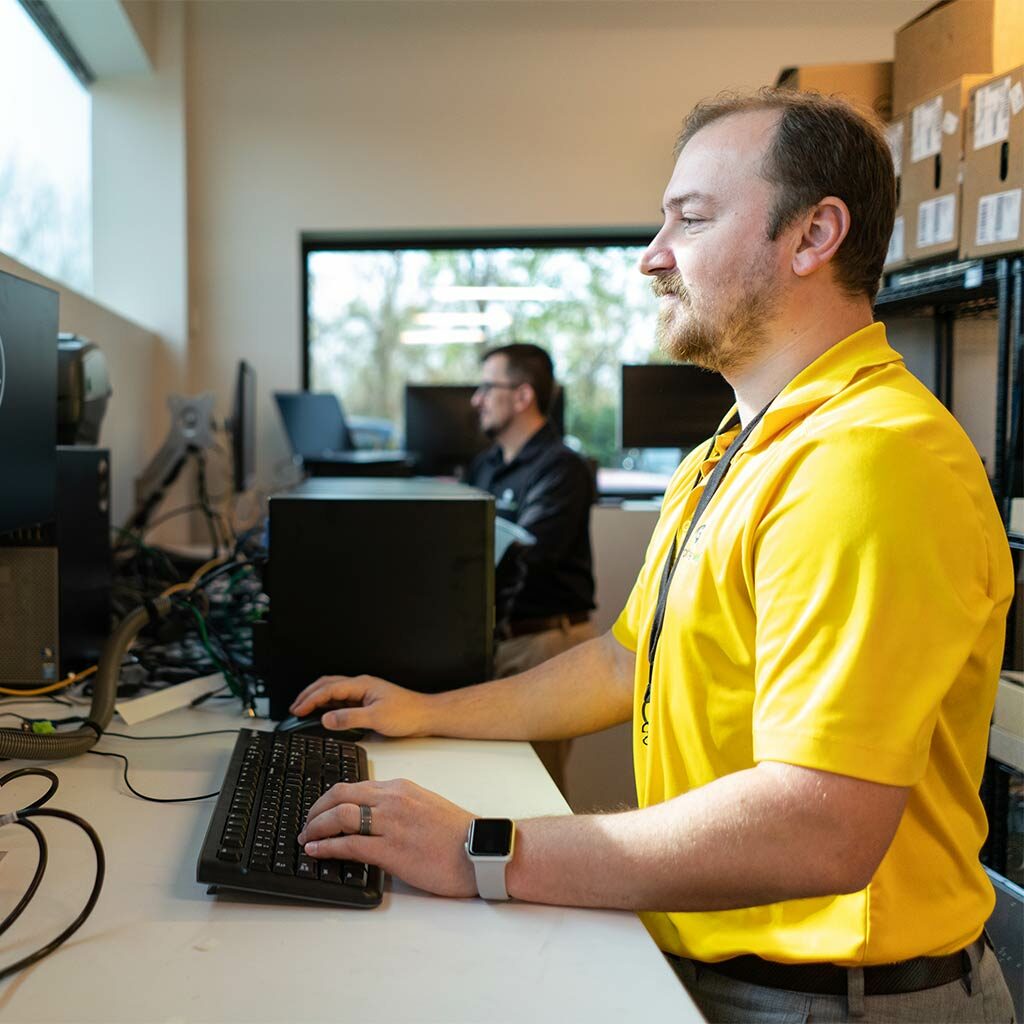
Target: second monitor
[[673, 405], [442, 429]]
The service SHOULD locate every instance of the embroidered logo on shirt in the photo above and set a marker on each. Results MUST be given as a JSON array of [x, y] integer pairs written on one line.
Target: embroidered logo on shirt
[[691, 554]]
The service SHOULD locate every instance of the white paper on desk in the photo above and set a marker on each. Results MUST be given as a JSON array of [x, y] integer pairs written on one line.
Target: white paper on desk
[[154, 704]]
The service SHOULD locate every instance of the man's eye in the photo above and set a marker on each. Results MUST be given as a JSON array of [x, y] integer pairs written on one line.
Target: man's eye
[[690, 221]]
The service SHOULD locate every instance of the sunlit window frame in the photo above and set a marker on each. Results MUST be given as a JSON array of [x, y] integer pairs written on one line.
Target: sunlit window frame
[[537, 238]]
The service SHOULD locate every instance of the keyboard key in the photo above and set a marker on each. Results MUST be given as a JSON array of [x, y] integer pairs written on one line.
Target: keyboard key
[[353, 874], [330, 871]]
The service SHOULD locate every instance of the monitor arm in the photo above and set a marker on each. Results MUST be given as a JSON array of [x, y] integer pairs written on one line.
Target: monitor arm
[[191, 432]]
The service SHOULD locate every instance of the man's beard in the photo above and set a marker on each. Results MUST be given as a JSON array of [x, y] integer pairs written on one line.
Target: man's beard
[[495, 430], [722, 340]]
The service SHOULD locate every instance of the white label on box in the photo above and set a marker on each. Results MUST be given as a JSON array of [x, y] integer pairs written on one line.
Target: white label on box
[[894, 136], [897, 248], [999, 218], [992, 113], [936, 221], [926, 130], [950, 123], [1017, 99]]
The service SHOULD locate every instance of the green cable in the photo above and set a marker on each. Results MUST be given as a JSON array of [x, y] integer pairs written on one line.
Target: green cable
[[228, 675]]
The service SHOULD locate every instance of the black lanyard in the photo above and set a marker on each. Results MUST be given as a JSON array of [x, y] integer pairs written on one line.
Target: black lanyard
[[669, 568]]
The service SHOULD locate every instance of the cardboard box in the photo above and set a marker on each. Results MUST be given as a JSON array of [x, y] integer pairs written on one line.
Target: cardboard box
[[993, 186], [868, 86], [954, 38], [896, 135], [931, 170]]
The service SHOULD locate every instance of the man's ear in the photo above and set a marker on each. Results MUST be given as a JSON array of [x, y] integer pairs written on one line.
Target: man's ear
[[823, 229], [525, 396]]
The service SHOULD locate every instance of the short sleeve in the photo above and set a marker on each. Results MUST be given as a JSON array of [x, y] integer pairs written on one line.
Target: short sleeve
[[870, 586]]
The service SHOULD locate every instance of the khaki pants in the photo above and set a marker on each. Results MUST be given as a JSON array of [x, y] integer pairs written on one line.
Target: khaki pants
[[524, 652]]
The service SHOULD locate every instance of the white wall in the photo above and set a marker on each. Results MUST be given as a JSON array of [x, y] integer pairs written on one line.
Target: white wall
[[140, 248]]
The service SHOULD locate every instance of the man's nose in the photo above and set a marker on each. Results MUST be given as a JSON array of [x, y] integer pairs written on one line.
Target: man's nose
[[657, 257]]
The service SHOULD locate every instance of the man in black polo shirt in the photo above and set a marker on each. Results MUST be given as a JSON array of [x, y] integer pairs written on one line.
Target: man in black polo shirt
[[545, 595]]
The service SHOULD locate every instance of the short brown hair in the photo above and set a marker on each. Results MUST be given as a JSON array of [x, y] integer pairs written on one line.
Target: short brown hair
[[822, 147], [528, 364]]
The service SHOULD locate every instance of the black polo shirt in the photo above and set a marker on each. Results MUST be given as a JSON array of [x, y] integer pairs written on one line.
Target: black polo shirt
[[546, 489]]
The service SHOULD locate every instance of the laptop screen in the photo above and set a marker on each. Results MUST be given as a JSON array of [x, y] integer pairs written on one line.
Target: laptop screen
[[315, 424]]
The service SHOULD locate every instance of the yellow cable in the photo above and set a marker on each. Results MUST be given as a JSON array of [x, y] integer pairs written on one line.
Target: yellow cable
[[69, 680], [196, 576], [77, 677]]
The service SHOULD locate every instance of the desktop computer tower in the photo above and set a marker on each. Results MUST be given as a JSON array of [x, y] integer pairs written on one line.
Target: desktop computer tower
[[389, 577], [55, 578], [83, 554]]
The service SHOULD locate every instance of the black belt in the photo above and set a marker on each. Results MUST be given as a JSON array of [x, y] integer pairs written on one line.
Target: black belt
[[831, 980], [524, 627]]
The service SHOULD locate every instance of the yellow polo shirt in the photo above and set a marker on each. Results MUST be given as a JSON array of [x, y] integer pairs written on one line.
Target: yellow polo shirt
[[841, 606]]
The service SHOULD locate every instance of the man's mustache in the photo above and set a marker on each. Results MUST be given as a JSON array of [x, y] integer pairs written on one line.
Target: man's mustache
[[669, 284]]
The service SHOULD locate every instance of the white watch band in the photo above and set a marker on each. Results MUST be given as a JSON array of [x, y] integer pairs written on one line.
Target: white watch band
[[490, 877]]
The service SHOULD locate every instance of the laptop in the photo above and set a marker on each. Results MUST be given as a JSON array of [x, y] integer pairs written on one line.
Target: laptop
[[317, 431]]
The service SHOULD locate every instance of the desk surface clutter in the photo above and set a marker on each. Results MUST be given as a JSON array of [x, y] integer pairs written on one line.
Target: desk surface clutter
[[158, 948]]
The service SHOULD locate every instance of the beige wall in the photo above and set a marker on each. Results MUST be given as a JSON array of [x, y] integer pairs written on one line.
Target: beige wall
[[410, 115]]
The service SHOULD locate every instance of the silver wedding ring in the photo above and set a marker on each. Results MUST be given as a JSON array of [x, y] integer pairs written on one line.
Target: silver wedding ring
[[365, 820]]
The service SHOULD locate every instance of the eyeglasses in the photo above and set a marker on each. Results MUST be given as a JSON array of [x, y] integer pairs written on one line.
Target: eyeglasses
[[489, 385]]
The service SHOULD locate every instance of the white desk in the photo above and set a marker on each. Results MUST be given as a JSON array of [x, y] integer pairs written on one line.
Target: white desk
[[157, 948]]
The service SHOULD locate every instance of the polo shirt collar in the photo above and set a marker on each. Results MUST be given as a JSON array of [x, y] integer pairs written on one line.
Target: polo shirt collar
[[829, 374], [534, 446]]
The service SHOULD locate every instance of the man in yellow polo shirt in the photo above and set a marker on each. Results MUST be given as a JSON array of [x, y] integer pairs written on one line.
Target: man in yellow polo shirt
[[811, 650]]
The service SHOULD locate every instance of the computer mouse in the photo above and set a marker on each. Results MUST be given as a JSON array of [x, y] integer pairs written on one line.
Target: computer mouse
[[310, 725]]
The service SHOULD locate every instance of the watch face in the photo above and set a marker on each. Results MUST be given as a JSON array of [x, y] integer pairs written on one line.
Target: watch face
[[490, 837]]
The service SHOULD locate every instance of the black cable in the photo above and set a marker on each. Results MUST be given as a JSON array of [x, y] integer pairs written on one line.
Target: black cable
[[14, 714], [181, 736], [204, 501], [36, 810], [152, 799], [43, 951], [36, 878]]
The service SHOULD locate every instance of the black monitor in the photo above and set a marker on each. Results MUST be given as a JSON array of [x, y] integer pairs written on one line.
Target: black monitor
[[243, 428], [28, 403], [442, 429], [671, 406], [315, 424], [557, 411]]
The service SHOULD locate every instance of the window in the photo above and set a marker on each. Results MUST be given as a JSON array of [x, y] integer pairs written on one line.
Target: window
[[45, 155], [378, 318]]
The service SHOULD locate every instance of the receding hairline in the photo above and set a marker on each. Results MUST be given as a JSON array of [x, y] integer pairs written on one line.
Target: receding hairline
[[773, 115]]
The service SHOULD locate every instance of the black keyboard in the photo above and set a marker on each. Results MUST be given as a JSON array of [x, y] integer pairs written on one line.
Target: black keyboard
[[272, 781]]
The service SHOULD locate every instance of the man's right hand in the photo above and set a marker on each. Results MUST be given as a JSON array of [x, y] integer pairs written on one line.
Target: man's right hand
[[376, 704]]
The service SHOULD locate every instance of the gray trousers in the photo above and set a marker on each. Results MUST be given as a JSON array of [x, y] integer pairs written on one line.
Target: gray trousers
[[525, 652], [985, 999]]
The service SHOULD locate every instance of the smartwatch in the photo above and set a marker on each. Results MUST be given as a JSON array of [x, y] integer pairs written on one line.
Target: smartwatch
[[489, 847]]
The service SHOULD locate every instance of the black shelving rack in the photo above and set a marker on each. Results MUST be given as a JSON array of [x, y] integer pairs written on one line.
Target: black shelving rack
[[953, 289]]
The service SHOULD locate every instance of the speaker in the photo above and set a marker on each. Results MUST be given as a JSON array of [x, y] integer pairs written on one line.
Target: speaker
[[83, 548], [389, 577], [29, 613]]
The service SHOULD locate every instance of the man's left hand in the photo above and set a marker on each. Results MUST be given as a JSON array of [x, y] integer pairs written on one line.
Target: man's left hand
[[415, 834]]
